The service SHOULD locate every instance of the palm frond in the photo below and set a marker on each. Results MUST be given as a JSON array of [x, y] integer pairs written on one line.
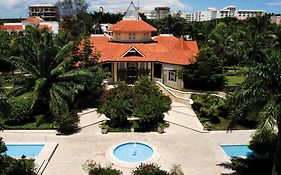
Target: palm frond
[[76, 75], [23, 64], [39, 85], [58, 106]]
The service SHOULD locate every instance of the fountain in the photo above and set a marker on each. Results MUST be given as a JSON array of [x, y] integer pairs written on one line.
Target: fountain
[[133, 152]]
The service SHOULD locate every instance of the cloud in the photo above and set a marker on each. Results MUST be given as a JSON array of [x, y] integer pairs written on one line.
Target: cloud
[[121, 5], [274, 3]]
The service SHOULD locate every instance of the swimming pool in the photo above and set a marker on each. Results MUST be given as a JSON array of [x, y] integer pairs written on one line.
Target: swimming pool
[[237, 150], [29, 150]]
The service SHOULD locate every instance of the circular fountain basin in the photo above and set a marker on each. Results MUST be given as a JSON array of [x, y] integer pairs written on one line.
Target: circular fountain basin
[[133, 152]]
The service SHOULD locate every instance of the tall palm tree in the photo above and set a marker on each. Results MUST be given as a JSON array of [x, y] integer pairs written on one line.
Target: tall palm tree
[[262, 92], [47, 72]]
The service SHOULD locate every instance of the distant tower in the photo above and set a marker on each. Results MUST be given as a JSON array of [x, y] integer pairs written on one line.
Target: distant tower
[[132, 13], [101, 9]]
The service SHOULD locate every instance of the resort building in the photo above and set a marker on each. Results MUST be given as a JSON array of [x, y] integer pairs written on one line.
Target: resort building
[[275, 20], [52, 26], [162, 12], [132, 51], [48, 12], [229, 11]]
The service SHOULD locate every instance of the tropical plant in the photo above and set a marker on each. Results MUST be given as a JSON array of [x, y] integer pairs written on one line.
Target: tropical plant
[[149, 169], [94, 168], [195, 76], [48, 73], [262, 92], [116, 104]]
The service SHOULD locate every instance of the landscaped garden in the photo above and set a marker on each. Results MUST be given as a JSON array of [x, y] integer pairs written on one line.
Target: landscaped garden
[[140, 107], [44, 94]]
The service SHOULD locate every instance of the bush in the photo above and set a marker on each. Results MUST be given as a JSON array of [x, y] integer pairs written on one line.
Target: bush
[[116, 104], [149, 169], [210, 107], [96, 169], [144, 101], [251, 166], [176, 170], [264, 142], [19, 109], [68, 124]]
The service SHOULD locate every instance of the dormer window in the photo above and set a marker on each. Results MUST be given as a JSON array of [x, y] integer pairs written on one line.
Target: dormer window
[[132, 36], [118, 36], [145, 36]]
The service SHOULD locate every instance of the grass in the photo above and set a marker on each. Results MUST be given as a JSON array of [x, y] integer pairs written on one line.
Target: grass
[[223, 125], [235, 77], [235, 80]]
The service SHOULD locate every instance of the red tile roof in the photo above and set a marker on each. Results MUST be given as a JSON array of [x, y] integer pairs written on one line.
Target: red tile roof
[[33, 19], [11, 27], [165, 49], [132, 26]]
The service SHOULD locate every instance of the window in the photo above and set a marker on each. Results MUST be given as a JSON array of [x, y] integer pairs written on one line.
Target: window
[[145, 36], [172, 75], [132, 36], [142, 65], [118, 36]]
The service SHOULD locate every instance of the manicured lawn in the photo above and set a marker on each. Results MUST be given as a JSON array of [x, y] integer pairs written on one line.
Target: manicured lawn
[[223, 125], [234, 80]]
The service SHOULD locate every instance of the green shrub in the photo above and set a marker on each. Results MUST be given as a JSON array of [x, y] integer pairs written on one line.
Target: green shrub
[[68, 123], [144, 101], [176, 170], [149, 169], [251, 166], [264, 142], [116, 104], [19, 109], [96, 169], [210, 107], [149, 103]]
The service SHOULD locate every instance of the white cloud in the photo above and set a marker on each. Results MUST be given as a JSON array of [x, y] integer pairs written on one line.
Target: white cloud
[[10, 3], [122, 5], [274, 3]]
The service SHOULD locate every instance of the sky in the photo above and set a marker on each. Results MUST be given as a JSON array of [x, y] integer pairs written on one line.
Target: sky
[[18, 8]]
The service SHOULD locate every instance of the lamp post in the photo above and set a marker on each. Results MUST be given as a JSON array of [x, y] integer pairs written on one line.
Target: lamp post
[[24, 165]]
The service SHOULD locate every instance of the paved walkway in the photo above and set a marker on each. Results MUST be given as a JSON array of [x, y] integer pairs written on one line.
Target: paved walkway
[[197, 153], [183, 115]]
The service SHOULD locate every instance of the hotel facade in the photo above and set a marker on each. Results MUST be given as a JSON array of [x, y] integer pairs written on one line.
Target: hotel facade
[[131, 51]]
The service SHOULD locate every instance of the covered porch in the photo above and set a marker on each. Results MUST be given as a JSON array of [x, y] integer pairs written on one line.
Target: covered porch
[[131, 71]]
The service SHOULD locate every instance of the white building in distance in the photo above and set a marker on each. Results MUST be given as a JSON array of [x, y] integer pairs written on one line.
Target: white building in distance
[[229, 11]]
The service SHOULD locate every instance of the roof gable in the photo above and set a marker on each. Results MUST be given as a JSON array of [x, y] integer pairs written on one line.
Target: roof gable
[[133, 52]]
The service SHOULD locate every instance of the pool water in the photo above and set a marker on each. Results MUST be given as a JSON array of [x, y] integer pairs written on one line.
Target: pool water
[[237, 150], [133, 152], [29, 150]]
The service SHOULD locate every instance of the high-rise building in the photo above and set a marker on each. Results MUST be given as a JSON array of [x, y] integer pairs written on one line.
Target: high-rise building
[[162, 12], [48, 12]]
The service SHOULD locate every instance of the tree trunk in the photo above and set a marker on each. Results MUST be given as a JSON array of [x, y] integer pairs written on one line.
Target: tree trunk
[[277, 156]]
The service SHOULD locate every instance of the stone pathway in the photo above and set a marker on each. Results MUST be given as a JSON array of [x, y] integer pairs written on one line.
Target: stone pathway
[[183, 115]]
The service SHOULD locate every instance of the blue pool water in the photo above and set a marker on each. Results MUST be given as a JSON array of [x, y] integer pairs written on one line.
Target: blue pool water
[[133, 152], [237, 150], [29, 150]]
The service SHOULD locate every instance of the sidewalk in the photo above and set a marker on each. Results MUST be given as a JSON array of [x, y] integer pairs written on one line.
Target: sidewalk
[[183, 116]]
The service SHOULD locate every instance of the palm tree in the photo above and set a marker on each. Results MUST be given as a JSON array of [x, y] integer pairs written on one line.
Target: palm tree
[[48, 73], [262, 92]]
